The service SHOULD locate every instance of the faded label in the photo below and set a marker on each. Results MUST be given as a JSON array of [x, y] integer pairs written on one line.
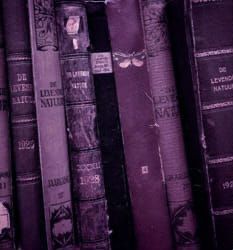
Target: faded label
[[101, 63]]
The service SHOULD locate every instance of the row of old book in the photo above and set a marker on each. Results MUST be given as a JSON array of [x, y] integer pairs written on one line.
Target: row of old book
[[116, 124]]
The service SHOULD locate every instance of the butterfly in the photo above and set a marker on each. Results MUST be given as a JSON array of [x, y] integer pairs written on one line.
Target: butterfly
[[125, 60]]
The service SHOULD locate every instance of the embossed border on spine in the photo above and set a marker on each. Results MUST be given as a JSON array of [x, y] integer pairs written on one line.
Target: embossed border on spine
[[45, 25]]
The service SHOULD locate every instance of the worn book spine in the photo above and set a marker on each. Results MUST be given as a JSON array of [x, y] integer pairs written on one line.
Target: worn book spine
[[190, 117], [120, 216], [167, 113], [210, 26], [6, 198], [24, 128], [51, 125], [88, 182], [140, 135], [209, 40]]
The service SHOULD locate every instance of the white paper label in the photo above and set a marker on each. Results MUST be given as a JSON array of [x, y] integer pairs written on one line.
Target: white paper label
[[101, 63]]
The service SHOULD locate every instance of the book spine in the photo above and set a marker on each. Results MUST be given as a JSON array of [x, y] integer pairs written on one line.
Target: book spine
[[190, 118], [212, 71], [51, 125], [140, 135], [6, 199], [88, 182], [167, 113], [24, 128], [120, 217]]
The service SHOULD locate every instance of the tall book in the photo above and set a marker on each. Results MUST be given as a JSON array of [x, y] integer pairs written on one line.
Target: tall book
[[139, 128], [119, 209], [88, 183], [209, 42], [51, 125], [24, 127], [167, 113], [6, 198]]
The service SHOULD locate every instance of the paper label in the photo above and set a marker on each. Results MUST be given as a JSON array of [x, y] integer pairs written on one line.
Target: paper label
[[101, 63]]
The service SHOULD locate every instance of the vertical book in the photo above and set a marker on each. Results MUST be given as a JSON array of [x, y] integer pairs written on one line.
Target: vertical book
[[88, 183], [209, 42], [24, 127], [167, 113], [51, 125], [120, 216], [210, 24], [6, 200], [140, 135]]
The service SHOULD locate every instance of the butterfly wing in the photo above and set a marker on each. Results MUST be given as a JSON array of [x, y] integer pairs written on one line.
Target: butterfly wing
[[123, 60], [138, 59], [125, 64], [136, 62]]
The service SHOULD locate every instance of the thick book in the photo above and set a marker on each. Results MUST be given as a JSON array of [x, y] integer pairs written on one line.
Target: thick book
[[119, 209], [139, 127], [209, 57], [86, 164], [167, 113], [6, 198], [49, 99], [24, 128]]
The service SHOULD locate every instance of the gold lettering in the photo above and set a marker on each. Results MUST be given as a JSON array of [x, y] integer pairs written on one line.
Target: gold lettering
[[26, 145], [15, 88], [51, 102], [21, 77], [74, 74], [23, 100]]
